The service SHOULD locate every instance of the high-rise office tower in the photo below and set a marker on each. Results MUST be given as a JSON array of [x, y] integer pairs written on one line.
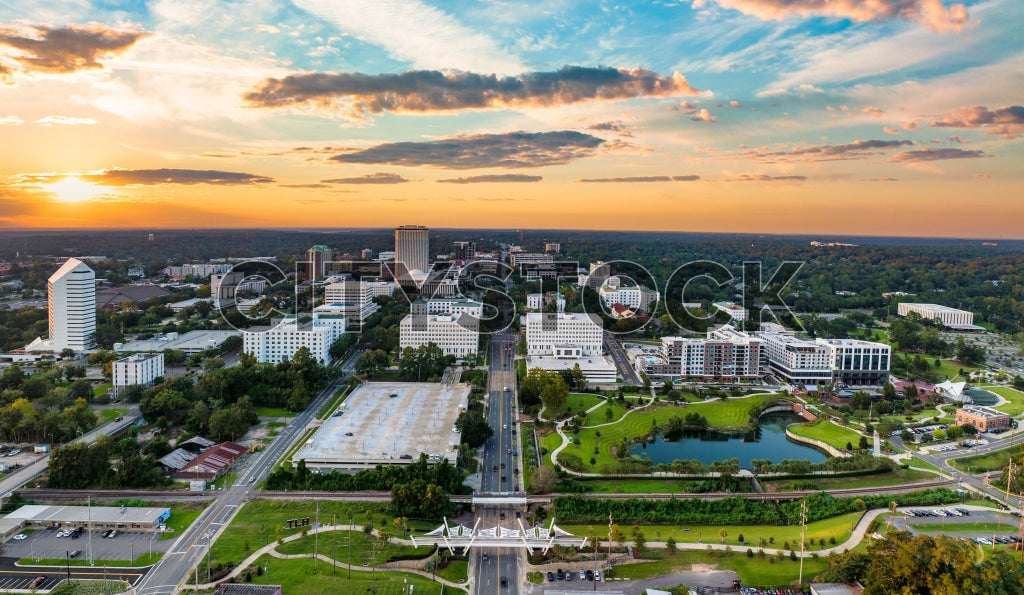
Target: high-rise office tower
[[412, 252], [71, 295]]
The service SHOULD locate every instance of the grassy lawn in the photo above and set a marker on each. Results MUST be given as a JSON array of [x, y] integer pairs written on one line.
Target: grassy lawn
[[988, 462], [985, 503], [719, 413], [331, 405], [296, 446], [529, 453], [922, 464], [828, 432], [146, 559], [334, 544], [101, 390], [923, 415], [576, 403], [1015, 399], [639, 486], [839, 527], [898, 477], [599, 416], [182, 516], [753, 571], [550, 443], [310, 578], [243, 535], [106, 415], [457, 571], [272, 412]]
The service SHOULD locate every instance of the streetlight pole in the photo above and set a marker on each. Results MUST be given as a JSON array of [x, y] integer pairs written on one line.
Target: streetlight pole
[[68, 554]]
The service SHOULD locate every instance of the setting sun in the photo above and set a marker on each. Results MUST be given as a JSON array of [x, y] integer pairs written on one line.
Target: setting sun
[[74, 190]]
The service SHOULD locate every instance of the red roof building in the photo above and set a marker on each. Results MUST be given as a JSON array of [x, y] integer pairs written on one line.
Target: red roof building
[[212, 462]]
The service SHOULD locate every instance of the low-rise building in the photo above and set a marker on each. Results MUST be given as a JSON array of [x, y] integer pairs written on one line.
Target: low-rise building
[[735, 311], [36, 516], [455, 334], [545, 330], [724, 356], [212, 461], [984, 419], [539, 301], [137, 369], [281, 341], [450, 305], [951, 317], [636, 298]]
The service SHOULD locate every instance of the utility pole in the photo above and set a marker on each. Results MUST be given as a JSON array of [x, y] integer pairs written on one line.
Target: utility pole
[[334, 557], [352, 522], [803, 531]]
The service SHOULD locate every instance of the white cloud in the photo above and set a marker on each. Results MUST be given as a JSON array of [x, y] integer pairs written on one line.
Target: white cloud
[[411, 31], [11, 121], [65, 121]]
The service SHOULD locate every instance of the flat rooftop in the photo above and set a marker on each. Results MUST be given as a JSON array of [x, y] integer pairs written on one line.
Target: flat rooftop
[[934, 307], [82, 514], [190, 342], [387, 420]]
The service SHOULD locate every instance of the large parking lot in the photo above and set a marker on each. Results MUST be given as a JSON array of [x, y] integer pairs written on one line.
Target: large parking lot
[[45, 544]]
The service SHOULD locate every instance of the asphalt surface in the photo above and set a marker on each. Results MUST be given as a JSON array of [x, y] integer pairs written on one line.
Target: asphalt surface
[[629, 375], [499, 562], [176, 566]]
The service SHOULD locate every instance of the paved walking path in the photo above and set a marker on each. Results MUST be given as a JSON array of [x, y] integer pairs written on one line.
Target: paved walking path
[[271, 549]]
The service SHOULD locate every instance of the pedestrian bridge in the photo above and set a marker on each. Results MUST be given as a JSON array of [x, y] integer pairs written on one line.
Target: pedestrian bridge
[[532, 538]]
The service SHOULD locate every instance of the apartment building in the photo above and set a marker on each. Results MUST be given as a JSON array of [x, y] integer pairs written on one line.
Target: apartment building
[[281, 341]]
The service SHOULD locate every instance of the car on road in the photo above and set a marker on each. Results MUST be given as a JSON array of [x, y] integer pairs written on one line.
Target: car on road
[[494, 467], [20, 536], [502, 478], [503, 465], [119, 418], [504, 582], [509, 451], [504, 426]]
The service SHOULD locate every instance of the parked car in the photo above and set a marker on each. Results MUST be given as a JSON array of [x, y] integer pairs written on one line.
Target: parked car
[[560, 574], [74, 554], [551, 576], [20, 536], [37, 581]]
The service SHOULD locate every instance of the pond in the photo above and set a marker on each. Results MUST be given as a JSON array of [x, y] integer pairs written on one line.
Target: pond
[[767, 442]]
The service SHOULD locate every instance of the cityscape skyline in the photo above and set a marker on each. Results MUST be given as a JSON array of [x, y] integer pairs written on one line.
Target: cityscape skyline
[[751, 116]]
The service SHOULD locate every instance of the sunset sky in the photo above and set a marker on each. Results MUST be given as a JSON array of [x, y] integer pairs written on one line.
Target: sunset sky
[[889, 117]]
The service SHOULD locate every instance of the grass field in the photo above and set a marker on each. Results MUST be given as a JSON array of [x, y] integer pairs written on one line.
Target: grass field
[[101, 390], [146, 559], [600, 415], [1015, 399], [719, 413], [243, 535], [310, 578], [106, 415], [456, 571], [640, 486], [898, 477], [761, 572], [575, 404], [839, 527], [988, 462], [272, 412], [182, 516], [335, 544], [923, 415], [922, 464], [828, 432]]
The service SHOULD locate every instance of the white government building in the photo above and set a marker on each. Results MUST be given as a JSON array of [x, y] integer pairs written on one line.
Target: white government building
[[281, 341], [635, 297], [559, 341], [537, 301], [456, 334], [352, 298], [950, 317]]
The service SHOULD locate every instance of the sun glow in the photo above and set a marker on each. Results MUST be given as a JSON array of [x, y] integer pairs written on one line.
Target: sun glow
[[74, 190]]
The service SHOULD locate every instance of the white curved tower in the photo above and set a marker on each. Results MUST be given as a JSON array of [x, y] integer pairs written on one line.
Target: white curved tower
[[71, 294]]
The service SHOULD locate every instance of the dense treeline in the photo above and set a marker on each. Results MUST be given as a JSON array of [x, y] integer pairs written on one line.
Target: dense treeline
[[732, 511], [220, 403], [905, 563], [105, 464], [418, 490], [51, 405]]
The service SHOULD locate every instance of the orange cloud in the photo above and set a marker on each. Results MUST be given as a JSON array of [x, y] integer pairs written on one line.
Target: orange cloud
[[933, 14], [1007, 120]]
